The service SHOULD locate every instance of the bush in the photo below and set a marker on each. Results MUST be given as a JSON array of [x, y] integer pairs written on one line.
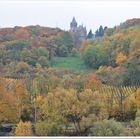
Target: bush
[[107, 128], [62, 51], [48, 128], [137, 124], [41, 129], [24, 129], [22, 67], [74, 52], [43, 61]]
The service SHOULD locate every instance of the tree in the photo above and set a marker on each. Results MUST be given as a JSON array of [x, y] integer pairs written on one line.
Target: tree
[[74, 52], [43, 61], [24, 129], [65, 40], [95, 56], [97, 33], [41, 51], [101, 31], [21, 98], [137, 98], [84, 45], [120, 58], [109, 31], [18, 45], [51, 47], [136, 123], [93, 83], [8, 110], [90, 35], [22, 34], [62, 51], [64, 108], [22, 67], [131, 76]]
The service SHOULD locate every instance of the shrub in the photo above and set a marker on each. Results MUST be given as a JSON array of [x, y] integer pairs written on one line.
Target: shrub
[[74, 52], [62, 51], [41, 129], [22, 67], [48, 128], [24, 129], [137, 124], [43, 61], [107, 128]]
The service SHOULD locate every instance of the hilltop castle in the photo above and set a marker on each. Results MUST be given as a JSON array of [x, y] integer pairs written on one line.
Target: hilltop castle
[[80, 30]]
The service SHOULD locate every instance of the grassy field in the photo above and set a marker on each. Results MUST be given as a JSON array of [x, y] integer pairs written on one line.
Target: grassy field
[[73, 63]]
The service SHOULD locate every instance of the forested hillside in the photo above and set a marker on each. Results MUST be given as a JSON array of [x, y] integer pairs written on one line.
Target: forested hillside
[[117, 55], [50, 86]]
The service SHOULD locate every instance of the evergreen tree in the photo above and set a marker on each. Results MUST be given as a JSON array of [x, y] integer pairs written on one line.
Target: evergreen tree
[[90, 35], [101, 31], [97, 33]]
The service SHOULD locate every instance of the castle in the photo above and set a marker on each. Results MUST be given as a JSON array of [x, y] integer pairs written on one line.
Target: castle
[[80, 30]]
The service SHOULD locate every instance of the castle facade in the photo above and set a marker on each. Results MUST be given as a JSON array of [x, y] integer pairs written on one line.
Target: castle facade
[[80, 30]]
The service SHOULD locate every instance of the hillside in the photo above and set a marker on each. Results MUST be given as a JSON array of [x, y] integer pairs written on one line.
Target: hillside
[[117, 55], [30, 47], [50, 86]]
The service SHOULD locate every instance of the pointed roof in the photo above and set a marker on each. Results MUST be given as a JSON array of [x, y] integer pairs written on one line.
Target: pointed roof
[[73, 23], [73, 20]]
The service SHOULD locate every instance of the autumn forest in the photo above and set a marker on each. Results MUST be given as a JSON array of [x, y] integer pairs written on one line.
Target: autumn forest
[[65, 83]]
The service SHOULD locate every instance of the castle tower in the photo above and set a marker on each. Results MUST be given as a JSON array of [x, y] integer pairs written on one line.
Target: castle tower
[[73, 25]]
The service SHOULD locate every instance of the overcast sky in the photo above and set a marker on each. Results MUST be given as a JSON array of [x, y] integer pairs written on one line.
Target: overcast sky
[[60, 13]]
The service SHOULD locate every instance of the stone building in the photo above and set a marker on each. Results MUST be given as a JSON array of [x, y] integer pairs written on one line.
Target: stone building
[[80, 30]]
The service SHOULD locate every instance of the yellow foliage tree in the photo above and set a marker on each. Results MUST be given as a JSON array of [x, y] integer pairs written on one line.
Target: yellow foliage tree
[[24, 129], [137, 98], [8, 111], [120, 58], [21, 97], [68, 106]]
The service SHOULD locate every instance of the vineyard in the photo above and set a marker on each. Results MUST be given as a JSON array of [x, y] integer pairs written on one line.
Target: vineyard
[[116, 94]]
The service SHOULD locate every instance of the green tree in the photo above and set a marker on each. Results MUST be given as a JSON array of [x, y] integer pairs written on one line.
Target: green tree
[[65, 40], [101, 31], [95, 56], [131, 76], [90, 35], [62, 51], [74, 52], [43, 61]]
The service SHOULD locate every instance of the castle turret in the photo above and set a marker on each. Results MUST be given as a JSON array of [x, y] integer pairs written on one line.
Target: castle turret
[[73, 25], [79, 31]]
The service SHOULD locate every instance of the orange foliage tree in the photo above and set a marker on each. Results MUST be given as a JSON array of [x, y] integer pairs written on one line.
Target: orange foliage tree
[[137, 98], [22, 34], [93, 83]]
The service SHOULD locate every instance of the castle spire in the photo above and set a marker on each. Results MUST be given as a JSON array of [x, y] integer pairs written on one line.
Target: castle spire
[[73, 24]]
